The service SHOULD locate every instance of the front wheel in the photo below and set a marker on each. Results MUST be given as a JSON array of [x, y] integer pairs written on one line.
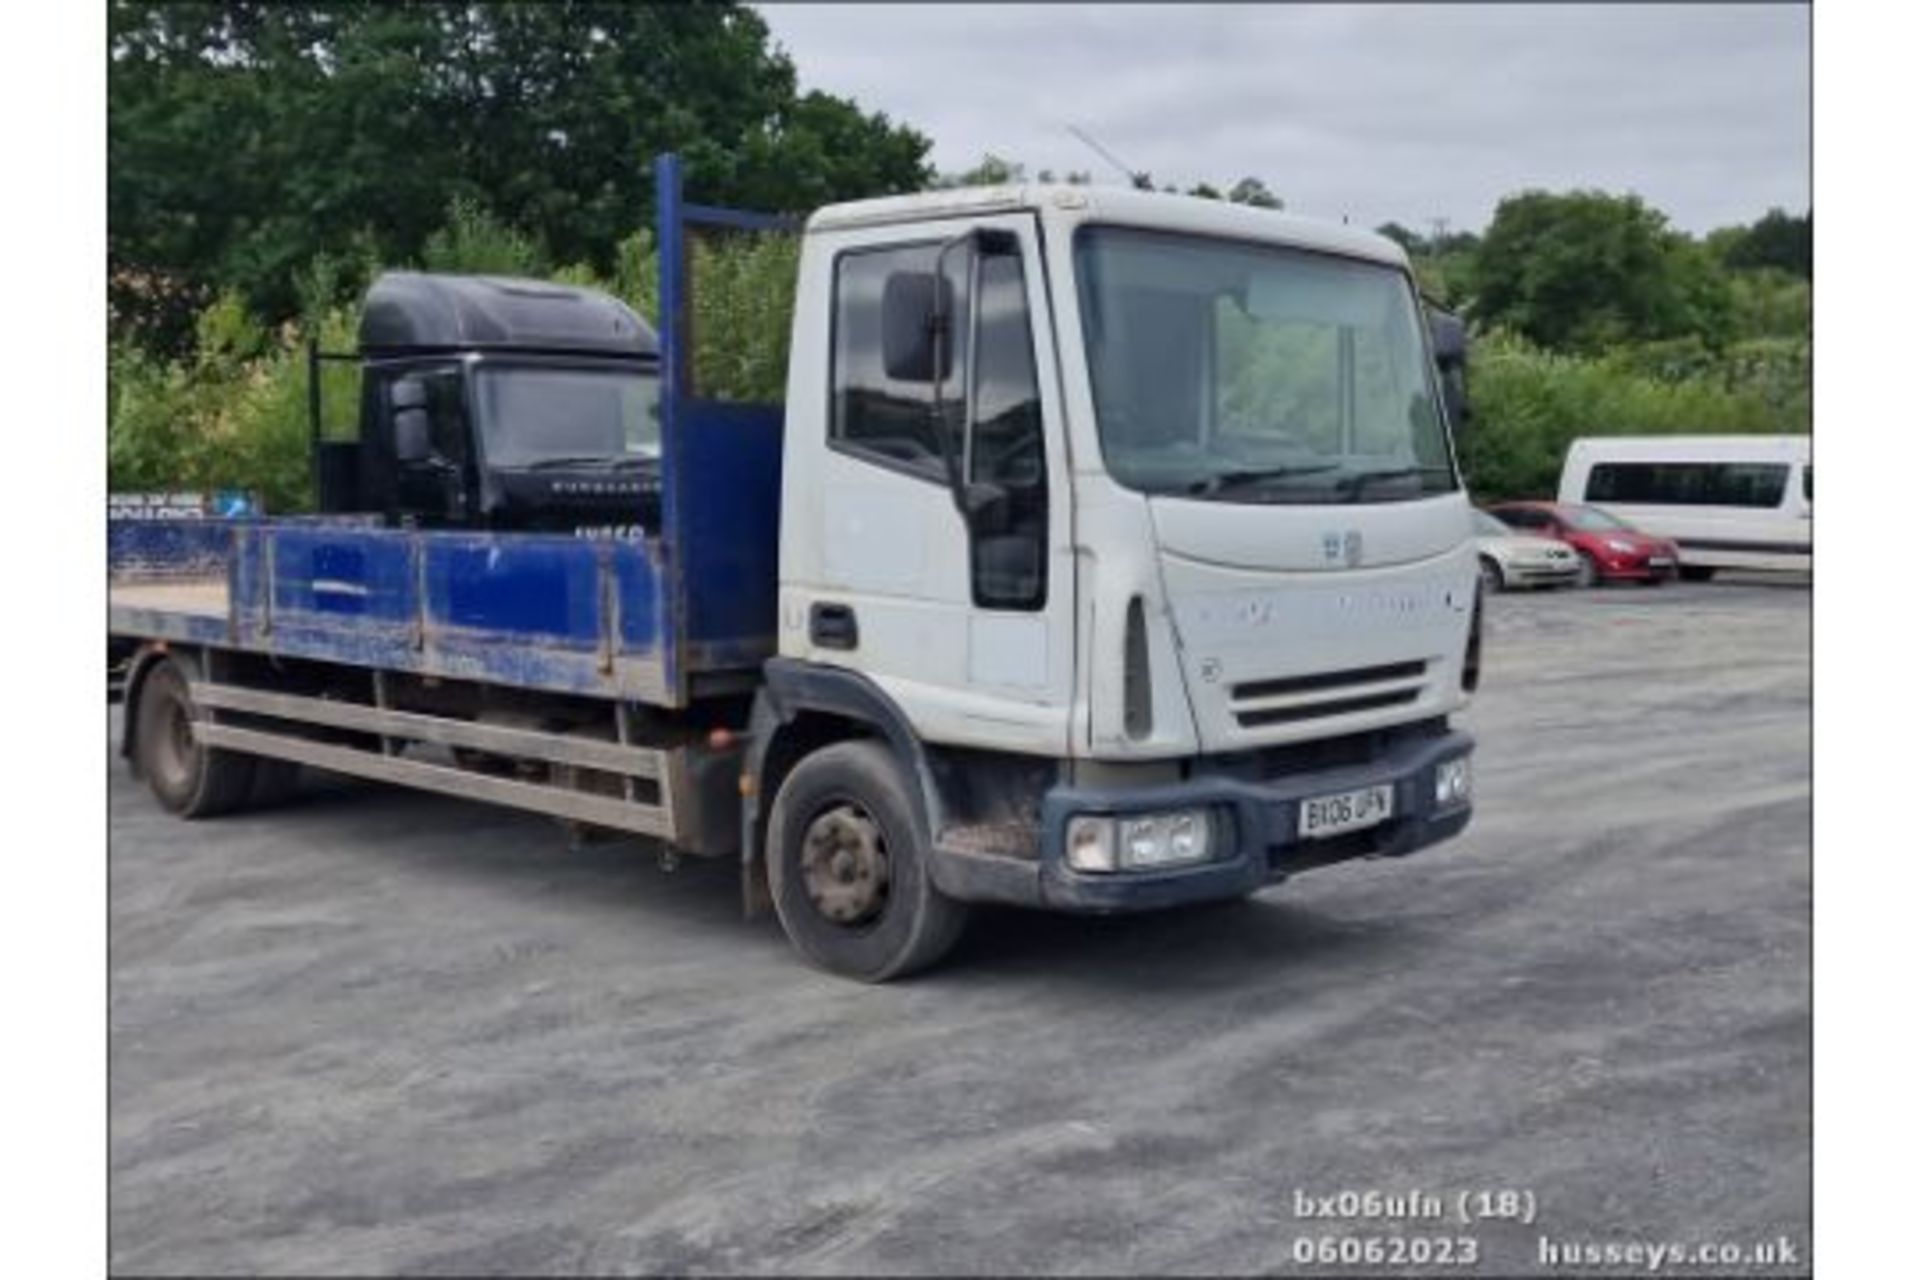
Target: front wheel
[[847, 866], [1696, 573], [1491, 579], [1589, 572]]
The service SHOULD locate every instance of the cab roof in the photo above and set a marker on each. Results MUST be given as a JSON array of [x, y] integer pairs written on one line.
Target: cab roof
[[412, 311], [1116, 205]]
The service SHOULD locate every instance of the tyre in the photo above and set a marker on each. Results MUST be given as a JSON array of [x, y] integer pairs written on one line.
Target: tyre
[[1491, 578], [274, 782], [186, 776], [1696, 573], [847, 867], [1589, 572]]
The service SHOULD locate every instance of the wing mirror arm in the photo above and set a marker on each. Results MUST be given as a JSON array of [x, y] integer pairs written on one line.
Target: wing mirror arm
[[971, 500], [940, 330]]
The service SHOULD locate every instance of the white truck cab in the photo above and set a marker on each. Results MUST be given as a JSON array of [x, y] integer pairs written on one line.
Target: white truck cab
[[1139, 514]]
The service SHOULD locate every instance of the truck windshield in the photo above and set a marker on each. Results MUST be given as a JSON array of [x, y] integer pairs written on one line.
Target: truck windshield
[[534, 416], [1237, 372]]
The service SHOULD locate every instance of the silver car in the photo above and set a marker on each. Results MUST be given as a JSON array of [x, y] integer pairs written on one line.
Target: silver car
[[1509, 560]]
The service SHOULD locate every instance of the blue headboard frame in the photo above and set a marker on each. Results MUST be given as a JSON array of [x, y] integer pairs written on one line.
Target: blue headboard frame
[[720, 469]]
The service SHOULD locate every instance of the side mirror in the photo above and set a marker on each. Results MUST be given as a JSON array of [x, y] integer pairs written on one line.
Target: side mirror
[[915, 304], [407, 393], [1449, 336], [412, 441], [912, 304]]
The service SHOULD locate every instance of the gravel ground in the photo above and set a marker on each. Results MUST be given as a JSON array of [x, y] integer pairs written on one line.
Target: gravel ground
[[383, 1032]]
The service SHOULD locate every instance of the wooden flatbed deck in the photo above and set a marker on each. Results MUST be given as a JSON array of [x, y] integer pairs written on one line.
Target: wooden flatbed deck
[[201, 597]]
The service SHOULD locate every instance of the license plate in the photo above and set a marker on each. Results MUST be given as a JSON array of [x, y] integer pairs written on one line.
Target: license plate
[[1345, 811]]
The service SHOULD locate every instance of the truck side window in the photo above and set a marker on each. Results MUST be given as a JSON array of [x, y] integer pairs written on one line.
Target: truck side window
[[889, 421], [446, 411], [1006, 448]]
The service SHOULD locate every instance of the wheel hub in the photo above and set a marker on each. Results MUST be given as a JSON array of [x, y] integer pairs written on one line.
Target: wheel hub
[[844, 865], [174, 738]]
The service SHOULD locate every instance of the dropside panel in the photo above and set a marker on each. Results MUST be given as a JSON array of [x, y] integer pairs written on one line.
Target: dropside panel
[[529, 610], [724, 522]]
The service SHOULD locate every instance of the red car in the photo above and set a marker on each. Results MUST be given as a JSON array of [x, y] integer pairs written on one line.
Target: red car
[[1611, 550]]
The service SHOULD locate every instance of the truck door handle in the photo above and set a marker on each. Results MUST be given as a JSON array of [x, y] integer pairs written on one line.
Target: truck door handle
[[832, 626]]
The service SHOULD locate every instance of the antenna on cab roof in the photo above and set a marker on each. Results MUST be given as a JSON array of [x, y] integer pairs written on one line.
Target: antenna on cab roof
[[1136, 178]]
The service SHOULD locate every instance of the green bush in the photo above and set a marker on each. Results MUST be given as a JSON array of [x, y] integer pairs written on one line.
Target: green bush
[[742, 287], [232, 417], [1529, 404], [474, 242]]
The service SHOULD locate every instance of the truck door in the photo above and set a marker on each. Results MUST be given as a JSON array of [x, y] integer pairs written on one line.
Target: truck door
[[965, 620]]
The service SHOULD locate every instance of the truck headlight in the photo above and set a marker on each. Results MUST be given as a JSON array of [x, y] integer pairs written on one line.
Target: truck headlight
[[1090, 843], [1452, 782], [1140, 841]]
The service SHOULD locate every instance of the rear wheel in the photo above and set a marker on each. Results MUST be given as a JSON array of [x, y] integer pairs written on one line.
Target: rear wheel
[[1696, 573], [847, 866], [274, 782], [186, 776], [1491, 579]]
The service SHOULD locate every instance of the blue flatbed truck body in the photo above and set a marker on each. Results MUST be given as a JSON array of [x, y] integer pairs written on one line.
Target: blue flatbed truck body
[[647, 619], [577, 677], [644, 619]]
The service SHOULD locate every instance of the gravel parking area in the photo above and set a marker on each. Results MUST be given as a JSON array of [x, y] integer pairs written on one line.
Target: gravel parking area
[[376, 1031]]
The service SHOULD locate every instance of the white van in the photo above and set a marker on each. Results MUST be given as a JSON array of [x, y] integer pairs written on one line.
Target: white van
[[1728, 502]]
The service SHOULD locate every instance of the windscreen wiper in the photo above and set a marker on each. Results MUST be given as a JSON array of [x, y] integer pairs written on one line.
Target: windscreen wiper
[[1249, 476], [1354, 485]]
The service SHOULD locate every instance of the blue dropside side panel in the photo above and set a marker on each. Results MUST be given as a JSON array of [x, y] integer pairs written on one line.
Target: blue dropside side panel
[[169, 548], [538, 611]]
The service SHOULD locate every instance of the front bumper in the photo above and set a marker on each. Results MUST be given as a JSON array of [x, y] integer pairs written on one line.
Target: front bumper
[[1638, 569], [1552, 573], [1260, 834]]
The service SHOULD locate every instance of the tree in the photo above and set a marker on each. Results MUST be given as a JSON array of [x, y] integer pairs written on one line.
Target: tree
[[992, 171], [246, 138], [1585, 270], [1411, 241], [1254, 192], [1777, 240]]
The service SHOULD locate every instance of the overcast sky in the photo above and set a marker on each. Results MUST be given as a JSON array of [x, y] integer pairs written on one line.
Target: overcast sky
[[1376, 112]]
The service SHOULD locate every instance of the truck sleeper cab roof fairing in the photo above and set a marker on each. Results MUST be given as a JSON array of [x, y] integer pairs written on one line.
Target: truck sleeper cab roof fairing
[[1122, 205], [415, 311]]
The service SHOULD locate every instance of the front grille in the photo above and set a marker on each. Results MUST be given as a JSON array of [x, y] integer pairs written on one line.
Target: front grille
[[1327, 680], [1290, 699]]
